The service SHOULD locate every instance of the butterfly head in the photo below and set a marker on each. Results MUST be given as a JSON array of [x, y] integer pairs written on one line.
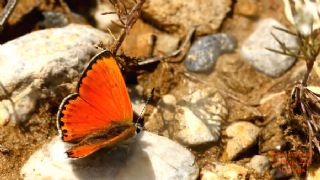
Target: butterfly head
[[139, 126]]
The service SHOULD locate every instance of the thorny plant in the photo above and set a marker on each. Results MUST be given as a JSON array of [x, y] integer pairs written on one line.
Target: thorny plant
[[303, 100], [127, 19]]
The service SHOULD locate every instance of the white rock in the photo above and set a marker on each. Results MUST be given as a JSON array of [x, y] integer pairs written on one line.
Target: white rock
[[209, 106], [33, 66], [150, 157], [169, 99], [315, 89], [199, 110], [224, 171], [254, 48], [192, 131], [242, 136]]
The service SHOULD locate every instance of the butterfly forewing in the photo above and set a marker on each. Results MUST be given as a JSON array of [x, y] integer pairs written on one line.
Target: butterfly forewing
[[102, 100]]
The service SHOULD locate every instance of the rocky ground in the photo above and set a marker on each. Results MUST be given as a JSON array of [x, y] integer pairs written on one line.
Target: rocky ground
[[219, 112]]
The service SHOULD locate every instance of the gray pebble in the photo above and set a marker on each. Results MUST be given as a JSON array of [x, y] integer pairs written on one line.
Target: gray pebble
[[204, 52], [54, 19]]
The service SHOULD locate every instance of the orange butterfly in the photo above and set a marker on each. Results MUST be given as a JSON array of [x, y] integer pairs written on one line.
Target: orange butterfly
[[100, 115]]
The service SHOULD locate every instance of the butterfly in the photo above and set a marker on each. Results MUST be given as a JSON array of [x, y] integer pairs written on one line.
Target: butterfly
[[100, 114]]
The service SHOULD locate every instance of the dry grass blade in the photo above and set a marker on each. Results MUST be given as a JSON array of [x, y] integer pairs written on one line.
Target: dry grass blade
[[287, 53], [293, 52], [285, 30], [282, 45]]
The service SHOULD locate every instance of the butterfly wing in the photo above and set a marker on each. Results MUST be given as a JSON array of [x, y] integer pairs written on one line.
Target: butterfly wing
[[102, 100], [104, 139]]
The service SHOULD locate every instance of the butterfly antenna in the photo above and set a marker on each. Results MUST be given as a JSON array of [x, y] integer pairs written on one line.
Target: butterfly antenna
[[139, 122]]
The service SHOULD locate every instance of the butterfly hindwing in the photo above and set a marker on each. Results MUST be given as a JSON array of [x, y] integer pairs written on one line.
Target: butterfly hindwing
[[102, 100], [98, 140]]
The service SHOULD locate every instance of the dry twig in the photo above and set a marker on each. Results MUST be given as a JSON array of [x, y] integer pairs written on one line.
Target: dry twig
[[7, 12], [182, 48]]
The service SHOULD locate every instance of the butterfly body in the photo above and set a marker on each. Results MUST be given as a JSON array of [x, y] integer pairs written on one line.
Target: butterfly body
[[100, 114]]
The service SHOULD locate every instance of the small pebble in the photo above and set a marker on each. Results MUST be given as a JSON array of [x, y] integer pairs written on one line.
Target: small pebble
[[202, 110], [189, 127], [224, 171], [210, 107], [249, 8], [169, 99], [205, 51], [259, 163], [208, 175], [242, 136], [3, 149], [313, 172]]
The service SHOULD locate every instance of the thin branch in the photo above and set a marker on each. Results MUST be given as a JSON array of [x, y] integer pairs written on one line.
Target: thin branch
[[7, 12]]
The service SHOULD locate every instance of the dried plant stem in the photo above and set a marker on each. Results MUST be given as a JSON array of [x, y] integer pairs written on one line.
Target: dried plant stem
[[307, 74]]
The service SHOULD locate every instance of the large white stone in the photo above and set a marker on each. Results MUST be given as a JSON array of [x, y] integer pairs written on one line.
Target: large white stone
[[149, 157], [36, 65]]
